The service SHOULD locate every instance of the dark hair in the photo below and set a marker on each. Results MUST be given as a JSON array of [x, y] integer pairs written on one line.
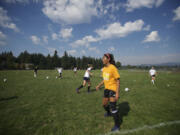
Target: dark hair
[[111, 57]]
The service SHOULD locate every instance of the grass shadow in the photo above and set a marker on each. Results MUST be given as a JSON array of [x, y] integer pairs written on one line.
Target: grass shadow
[[9, 98], [123, 109]]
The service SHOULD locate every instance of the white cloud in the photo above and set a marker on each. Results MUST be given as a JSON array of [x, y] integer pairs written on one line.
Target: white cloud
[[117, 30], [147, 28], [114, 30], [70, 11], [36, 40], [2, 38], [45, 39], [71, 52], [2, 35], [137, 4], [94, 49], [66, 33], [152, 37], [111, 49], [177, 14], [54, 36], [5, 20], [84, 41]]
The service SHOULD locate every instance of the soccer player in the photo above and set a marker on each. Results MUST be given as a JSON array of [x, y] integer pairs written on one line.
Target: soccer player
[[75, 70], [111, 81], [35, 71], [86, 79], [152, 73], [60, 72]]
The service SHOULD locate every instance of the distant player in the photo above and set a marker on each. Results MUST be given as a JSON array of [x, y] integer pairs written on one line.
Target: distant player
[[152, 73], [111, 81], [86, 79], [75, 70], [60, 72], [35, 71]]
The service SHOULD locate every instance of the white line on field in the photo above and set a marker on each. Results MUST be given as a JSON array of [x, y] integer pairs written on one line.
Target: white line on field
[[146, 127]]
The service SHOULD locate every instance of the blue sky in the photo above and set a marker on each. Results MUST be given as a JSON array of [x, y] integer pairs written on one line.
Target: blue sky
[[135, 31]]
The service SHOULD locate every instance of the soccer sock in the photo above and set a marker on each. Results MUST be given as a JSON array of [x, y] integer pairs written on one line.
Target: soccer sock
[[114, 112], [116, 119], [89, 88], [107, 108], [80, 87], [153, 81]]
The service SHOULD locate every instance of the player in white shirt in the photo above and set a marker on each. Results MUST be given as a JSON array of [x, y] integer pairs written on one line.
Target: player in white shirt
[[152, 73], [86, 79], [75, 70], [35, 71], [60, 72]]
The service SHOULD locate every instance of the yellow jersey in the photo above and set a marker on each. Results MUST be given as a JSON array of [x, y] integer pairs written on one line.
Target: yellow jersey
[[110, 76]]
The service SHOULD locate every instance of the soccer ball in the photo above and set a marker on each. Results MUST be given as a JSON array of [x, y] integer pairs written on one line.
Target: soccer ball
[[126, 89], [56, 77], [47, 77], [4, 79]]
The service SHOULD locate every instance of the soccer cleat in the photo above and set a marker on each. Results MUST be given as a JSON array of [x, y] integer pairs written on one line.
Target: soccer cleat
[[115, 128], [107, 114], [77, 90]]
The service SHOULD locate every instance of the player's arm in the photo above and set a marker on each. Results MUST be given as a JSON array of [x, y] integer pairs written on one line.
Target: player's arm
[[117, 77], [90, 73], [118, 88], [99, 85]]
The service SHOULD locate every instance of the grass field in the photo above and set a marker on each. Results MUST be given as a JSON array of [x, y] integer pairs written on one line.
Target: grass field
[[40, 106]]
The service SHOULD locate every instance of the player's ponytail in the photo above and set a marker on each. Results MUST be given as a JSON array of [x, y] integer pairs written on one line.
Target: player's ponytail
[[111, 57], [112, 61]]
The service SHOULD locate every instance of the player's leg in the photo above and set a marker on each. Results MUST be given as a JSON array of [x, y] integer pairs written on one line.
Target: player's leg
[[106, 105], [114, 111], [84, 83], [153, 79], [60, 75], [89, 85], [35, 75]]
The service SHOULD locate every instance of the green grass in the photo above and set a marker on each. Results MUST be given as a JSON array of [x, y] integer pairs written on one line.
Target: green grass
[[37, 106]]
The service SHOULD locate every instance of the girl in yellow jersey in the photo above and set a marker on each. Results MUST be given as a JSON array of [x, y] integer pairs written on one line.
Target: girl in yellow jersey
[[111, 81]]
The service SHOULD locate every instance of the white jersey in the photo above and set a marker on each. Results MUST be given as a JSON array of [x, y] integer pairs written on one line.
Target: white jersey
[[152, 72], [59, 70], [87, 73], [75, 69]]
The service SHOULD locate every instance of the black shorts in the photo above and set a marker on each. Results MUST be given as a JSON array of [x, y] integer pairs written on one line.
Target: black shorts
[[109, 93], [153, 75], [86, 79]]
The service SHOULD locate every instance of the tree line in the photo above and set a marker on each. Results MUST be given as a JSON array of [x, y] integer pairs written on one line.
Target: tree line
[[26, 60]]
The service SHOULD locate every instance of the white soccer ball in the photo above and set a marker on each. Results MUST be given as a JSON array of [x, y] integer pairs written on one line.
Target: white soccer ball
[[4, 79], [56, 77], [126, 89], [47, 77]]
